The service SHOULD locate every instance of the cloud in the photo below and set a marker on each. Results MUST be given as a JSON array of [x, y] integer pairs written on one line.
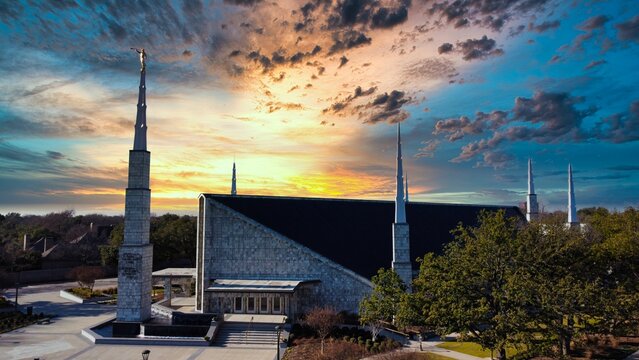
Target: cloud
[[243, 2], [621, 127], [342, 61], [594, 63], [55, 155], [543, 118], [543, 27], [624, 168], [629, 30], [428, 150], [430, 68], [386, 108], [473, 49], [445, 48], [345, 40], [594, 23], [338, 106], [456, 129]]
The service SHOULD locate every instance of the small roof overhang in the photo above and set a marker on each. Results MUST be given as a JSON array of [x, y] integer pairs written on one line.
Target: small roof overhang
[[175, 273], [267, 286]]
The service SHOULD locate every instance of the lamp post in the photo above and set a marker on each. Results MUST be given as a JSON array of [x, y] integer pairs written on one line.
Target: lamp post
[[279, 331], [145, 354]]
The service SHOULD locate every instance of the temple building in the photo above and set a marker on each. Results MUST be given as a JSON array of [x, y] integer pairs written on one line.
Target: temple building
[[284, 255]]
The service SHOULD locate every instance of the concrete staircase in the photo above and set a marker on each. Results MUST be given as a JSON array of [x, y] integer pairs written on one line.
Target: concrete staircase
[[242, 334]]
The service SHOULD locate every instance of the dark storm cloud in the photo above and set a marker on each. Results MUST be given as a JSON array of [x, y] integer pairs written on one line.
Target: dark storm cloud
[[489, 14], [544, 118], [386, 108], [347, 40], [445, 48], [348, 13], [338, 106], [629, 30], [619, 128], [456, 129], [543, 27], [473, 49]]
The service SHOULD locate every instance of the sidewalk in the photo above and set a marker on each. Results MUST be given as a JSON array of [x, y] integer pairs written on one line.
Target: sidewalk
[[431, 347]]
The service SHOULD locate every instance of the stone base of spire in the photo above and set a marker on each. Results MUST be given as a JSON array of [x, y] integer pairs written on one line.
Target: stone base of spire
[[134, 283], [401, 254]]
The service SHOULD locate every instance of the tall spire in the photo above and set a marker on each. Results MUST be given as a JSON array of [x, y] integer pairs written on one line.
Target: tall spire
[[572, 207], [139, 142], [400, 209], [233, 187], [532, 207], [406, 188]]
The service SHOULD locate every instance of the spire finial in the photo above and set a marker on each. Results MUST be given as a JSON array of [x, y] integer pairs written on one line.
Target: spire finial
[[531, 184], [233, 181], [400, 209], [572, 206]]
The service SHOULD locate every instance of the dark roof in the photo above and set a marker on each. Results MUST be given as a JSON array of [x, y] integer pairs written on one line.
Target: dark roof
[[357, 234]]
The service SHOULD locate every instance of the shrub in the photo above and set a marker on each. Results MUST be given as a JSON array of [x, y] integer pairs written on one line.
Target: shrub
[[86, 275]]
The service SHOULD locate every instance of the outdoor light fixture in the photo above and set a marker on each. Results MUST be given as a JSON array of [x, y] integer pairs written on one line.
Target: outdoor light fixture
[[145, 354]]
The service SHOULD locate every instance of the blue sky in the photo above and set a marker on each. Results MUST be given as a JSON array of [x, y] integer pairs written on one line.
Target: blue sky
[[305, 96]]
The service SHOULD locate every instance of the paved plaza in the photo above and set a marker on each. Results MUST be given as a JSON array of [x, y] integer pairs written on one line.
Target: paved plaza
[[62, 340]]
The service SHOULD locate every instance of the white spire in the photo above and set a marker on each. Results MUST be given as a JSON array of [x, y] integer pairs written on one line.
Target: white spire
[[400, 209], [531, 184], [572, 207], [139, 141], [406, 188], [532, 207], [233, 186]]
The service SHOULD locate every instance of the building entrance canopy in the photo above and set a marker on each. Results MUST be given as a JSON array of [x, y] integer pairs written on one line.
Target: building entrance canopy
[[273, 297]]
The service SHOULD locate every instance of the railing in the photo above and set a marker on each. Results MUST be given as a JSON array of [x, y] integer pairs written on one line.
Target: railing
[[248, 329]]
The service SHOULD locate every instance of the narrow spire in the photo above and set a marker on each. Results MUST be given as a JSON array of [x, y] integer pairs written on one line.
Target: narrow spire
[[400, 209], [531, 184], [233, 180], [572, 207], [406, 188], [532, 207], [139, 142]]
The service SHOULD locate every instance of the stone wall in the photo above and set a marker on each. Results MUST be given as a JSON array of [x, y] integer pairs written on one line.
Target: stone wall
[[134, 282], [237, 247]]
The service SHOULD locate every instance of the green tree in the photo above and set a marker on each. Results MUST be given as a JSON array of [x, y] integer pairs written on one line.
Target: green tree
[[469, 289], [383, 303], [560, 281]]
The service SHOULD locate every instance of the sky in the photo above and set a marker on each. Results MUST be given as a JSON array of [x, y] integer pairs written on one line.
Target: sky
[[305, 97]]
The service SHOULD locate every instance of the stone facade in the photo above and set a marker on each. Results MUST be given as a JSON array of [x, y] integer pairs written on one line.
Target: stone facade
[[401, 253], [136, 254], [134, 282], [233, 246]]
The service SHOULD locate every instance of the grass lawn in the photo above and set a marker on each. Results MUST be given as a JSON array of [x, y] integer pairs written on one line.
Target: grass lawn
[[472, 348]]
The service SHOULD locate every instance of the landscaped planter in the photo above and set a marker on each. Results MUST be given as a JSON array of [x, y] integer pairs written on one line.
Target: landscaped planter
[[69, 296]]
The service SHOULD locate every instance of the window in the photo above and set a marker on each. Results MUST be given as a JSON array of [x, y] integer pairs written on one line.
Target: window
[[263, 305], [277, 306], [238, 304], [251, 304]]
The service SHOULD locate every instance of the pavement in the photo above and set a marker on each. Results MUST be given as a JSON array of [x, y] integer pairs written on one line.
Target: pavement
[[429, 347], [62, 339]]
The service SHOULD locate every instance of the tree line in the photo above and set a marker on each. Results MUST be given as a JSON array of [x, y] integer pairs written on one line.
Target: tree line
[[539, 287]]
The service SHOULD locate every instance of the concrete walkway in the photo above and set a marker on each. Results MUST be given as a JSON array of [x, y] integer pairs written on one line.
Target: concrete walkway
[[62, 339], [634, 356], [430, 347]]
